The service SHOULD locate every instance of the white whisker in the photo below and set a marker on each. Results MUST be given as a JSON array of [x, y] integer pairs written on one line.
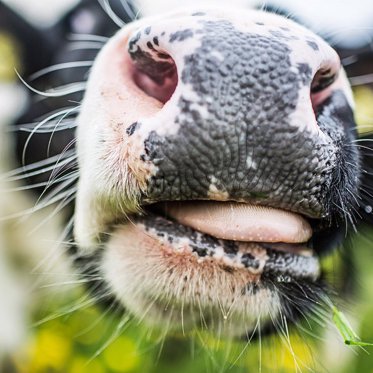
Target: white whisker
[[117, 332], [61, 91], [128, 9], [84, 45], [60, 66], [88, 37], [62, 126], [57, 247], [361, 79], [74, 174], [109, 11], [72, 282], [41, 164], [56, 115], [56, 126]]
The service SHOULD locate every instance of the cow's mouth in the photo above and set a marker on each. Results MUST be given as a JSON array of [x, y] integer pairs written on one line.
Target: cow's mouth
[[263, 240], [243, 264]]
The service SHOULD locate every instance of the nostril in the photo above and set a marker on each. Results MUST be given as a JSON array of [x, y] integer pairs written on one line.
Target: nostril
[[322, 79], [156, 83], [321, 85], [153, 71]]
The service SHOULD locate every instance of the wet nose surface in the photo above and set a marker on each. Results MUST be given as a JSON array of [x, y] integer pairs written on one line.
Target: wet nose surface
[[240, 125]]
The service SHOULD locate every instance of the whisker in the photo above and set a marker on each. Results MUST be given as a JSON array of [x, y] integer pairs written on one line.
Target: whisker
[[66, 149], [128, 9], [32, 210], [42, 170], [62, 237], [54, 130], [346, 61], [109, 11], [84, 45], [117, 332], [62, 112], [60, 66], [72, 282], [41, 184], [55, 192], [361, 79], [61, 91], [30, 127], [13, 175], [90, 301], [246, 344], [88, 37], [96, 322]]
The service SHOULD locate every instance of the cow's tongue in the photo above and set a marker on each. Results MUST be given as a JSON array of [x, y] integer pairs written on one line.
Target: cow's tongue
[[240, 221]]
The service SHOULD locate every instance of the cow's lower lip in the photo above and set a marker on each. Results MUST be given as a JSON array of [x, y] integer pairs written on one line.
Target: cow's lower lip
[[285, 261], [155, 263]]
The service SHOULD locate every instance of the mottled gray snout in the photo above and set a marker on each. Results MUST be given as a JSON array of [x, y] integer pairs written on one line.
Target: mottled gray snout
[[241, 123]]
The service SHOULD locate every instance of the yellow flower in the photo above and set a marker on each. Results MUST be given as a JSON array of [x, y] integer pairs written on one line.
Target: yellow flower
[[51, 349]]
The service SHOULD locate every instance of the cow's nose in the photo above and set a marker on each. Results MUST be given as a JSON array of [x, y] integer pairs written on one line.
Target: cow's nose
[[238, 121], [239, 105]]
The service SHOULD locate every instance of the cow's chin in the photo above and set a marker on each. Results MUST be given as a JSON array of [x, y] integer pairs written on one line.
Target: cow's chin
[[180, 279]]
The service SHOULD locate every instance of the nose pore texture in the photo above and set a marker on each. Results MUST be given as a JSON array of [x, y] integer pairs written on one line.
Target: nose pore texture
[[234, 134]]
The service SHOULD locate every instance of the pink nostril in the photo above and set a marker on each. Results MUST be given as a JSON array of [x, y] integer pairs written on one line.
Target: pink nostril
[[154, 82], [321, 86]]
